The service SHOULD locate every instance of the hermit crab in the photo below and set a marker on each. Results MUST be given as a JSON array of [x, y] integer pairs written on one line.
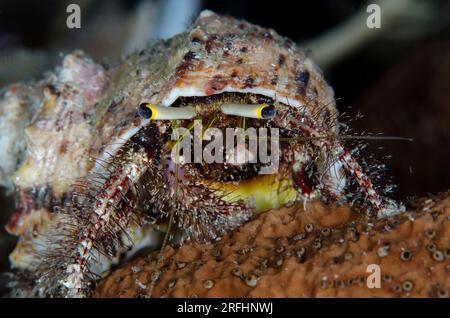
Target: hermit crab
[[89, 149]]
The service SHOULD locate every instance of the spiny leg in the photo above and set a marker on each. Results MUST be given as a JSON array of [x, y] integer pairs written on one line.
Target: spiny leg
[[382, 206], [199, 211], [108, 216], [335, 149], [100, 215]]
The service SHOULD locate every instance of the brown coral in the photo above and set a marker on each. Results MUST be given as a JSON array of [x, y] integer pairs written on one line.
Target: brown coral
[[317, 251]]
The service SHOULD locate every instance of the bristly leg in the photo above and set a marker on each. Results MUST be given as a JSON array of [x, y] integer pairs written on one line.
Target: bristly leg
[[204, 215], [382, 206], [107, 216], [340, 158], [97, 220], [198, 211]]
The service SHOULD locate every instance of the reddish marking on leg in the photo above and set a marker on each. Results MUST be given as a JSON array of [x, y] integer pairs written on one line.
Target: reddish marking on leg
[[303, 182], [105, 211], [351, 165], [363, 180]]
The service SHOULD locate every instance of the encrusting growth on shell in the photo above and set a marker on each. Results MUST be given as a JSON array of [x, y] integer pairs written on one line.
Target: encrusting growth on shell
[[400, 245]]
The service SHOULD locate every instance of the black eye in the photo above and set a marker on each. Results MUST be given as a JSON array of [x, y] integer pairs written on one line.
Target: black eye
[[144, 111], [268, 112]]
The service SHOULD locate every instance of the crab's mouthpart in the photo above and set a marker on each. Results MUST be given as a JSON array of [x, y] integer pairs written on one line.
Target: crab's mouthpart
[[238, 176], [262, 193]]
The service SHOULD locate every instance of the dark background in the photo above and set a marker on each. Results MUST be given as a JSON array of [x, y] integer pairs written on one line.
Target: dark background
[[397, 77]]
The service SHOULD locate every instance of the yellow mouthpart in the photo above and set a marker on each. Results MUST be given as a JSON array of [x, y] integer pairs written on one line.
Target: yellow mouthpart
[[264, 192]]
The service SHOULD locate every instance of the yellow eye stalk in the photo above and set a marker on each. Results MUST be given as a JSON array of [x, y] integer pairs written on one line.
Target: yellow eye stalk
[[263, 111], [153, 112]]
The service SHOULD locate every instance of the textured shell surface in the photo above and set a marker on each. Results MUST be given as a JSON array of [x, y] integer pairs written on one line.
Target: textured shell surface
[[66, 126], [79, 110]]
